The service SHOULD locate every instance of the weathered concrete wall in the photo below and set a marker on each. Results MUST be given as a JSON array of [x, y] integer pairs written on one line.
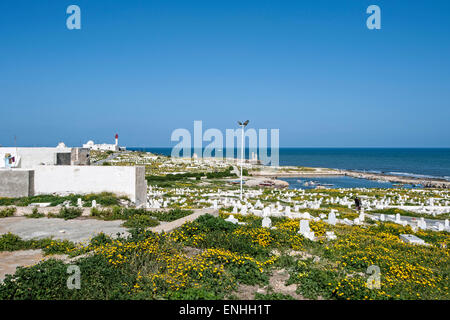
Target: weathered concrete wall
[[141, 186], [80, 157], [127, 181], [63, 159], [16, 183]]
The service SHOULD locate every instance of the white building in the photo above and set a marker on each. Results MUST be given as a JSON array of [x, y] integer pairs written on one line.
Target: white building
[[104, 146]]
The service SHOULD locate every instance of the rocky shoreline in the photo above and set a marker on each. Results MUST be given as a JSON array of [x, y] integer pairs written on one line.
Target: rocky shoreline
[[426, 182]]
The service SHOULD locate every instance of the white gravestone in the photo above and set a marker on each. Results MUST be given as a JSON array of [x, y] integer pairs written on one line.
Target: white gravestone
[[232, 219], [332, 218], [305, 230], [266, 222]]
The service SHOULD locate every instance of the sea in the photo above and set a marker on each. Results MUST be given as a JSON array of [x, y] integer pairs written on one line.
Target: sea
[[412, 162]]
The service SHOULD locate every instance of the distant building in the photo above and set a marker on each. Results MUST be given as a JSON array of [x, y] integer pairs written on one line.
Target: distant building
[[104, 146]]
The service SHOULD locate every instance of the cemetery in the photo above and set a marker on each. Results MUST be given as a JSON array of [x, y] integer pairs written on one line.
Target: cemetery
[[193, 236]]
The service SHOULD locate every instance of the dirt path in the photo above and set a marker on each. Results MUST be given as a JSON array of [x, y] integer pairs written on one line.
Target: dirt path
[[76, 230], [169, 226]]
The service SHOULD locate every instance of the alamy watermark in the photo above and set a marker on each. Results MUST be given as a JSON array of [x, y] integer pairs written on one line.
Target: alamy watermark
[[74, 20], [74, 280], [374, 20], [257, 143], [374, 280]]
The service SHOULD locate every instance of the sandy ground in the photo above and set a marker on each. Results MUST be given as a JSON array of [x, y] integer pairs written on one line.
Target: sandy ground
[[9, 261], [76, 230], [277, 284]]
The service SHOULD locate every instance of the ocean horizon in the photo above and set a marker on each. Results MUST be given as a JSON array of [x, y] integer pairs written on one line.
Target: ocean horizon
[[414, 162]]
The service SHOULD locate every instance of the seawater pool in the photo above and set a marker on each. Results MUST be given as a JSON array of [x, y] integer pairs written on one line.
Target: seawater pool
[[337, 182]]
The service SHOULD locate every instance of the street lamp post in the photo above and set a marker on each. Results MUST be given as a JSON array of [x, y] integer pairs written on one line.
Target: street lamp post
[[242, 125]]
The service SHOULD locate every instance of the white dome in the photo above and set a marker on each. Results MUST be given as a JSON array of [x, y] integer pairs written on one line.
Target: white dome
[[90, 143], [61, 145]]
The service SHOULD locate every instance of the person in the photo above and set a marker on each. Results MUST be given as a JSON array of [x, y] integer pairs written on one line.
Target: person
[[358, 204]]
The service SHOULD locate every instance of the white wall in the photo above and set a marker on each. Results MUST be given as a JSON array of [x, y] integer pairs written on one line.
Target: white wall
[[31, 157], [127, 181]]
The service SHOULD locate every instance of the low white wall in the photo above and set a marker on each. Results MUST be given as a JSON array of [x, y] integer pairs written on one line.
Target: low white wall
[[127, 181]]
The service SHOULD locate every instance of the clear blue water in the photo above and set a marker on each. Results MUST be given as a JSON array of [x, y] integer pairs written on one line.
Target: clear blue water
[[336, 182], [426, 162]]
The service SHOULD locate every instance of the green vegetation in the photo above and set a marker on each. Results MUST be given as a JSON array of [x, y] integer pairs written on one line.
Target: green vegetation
[[47, 280], [140, 221], [67, 213], [7, 212], [139, 218], [117, 213], [35, 214], [210, 258], [11, 242], [170, 215], [152, 179], [104, 199]]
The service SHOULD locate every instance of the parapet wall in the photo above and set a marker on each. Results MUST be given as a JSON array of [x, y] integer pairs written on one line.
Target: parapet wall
[[125, 181]]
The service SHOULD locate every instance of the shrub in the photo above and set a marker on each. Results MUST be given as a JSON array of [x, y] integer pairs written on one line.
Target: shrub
[[140, 221], [67, 213], [12, 242], [48, 280], [105, 199], [171, 215], [314, 281], [35, 214], [7, 212], [117, 213], [101, 239]]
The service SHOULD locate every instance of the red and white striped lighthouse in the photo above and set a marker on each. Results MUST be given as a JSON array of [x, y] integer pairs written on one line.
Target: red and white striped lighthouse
[[117, 139]]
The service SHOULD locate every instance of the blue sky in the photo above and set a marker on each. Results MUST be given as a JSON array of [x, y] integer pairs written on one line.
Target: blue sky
[[144, 68]]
